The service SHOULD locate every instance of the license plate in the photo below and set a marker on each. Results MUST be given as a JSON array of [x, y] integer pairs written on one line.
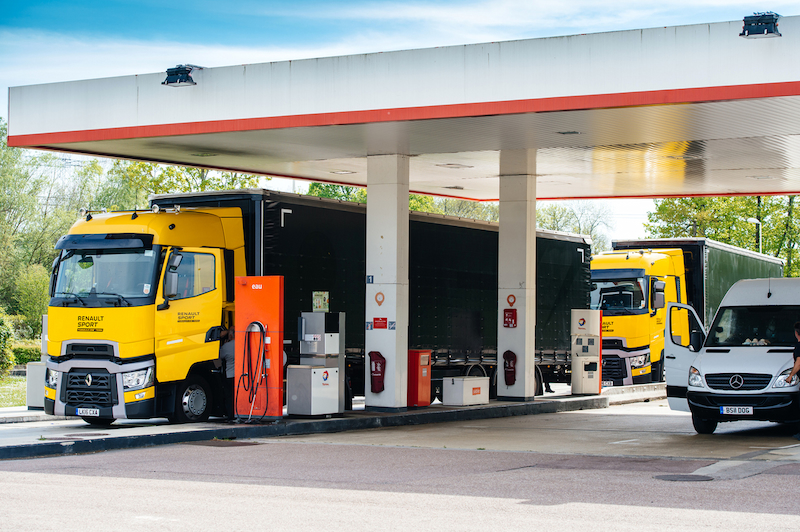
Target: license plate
[[89, 412], [608, 384], [736, 410]]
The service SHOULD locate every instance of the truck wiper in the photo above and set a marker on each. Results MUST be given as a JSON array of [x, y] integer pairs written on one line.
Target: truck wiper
[[76, 296], [120, 299]]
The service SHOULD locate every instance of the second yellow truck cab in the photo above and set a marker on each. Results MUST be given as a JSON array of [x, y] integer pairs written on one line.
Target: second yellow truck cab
[[633, 283], [630, 287]]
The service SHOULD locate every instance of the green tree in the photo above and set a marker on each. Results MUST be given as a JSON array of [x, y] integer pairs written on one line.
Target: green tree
[[6, 338], [129, 183], [416, 202], [476, 210], [340, 192], [725, 219], [581, 217], [32, 296]]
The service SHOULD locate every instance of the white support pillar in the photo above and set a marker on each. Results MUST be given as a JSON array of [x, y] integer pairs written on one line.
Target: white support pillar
[[516, 280], [387, 279]]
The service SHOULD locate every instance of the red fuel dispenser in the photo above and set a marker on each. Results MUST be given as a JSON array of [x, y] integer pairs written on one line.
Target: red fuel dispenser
[[258, 382], [419, 377]]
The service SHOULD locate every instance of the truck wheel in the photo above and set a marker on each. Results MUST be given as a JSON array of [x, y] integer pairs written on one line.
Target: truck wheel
[[704, 426], [193, 400], [98, 421]]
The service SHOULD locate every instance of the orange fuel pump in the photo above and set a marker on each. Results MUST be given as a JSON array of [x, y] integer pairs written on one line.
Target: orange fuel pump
[[258, 380]]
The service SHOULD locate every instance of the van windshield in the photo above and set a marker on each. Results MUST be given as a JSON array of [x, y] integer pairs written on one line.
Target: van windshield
[[763, 325]]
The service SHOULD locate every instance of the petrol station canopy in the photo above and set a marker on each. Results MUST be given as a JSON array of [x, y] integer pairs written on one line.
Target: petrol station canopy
[[673, 111]]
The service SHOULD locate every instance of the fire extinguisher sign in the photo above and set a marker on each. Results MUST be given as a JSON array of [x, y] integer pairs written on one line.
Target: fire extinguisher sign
[[510, 318]]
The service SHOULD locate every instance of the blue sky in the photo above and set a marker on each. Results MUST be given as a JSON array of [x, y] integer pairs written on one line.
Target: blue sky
[[48, 41]]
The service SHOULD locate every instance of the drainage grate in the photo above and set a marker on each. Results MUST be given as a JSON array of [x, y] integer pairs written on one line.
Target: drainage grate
[[684, 478]]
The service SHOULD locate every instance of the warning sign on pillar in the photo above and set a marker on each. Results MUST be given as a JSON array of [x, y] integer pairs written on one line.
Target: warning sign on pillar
[[510, 318], [380, 323]]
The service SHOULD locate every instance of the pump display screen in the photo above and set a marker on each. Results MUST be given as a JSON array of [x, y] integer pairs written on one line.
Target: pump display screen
[[762, 325], [619, 296], [97, 277]]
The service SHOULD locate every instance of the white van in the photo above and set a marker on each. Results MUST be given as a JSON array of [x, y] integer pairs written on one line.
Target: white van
[[738, 371]]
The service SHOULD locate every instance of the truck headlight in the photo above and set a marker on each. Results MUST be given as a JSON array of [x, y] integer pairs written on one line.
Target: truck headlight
[[136, 380], [51, 378], [640, 361], [695, 378], [780, 382]]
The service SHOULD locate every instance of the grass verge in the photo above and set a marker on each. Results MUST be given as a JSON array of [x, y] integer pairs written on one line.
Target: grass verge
[[12, 391]]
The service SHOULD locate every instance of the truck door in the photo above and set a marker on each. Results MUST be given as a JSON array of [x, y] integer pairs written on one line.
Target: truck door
[[180, 328], [684, 337]]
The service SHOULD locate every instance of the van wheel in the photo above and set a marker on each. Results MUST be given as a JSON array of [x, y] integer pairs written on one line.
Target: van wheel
[[704, 426], [193, 401]]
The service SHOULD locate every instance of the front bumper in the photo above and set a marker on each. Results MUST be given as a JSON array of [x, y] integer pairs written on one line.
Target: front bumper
[[617, 367], [104, 391], [780, 406]]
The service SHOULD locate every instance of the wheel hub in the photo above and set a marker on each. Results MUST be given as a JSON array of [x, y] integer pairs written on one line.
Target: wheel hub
[[194, 401]]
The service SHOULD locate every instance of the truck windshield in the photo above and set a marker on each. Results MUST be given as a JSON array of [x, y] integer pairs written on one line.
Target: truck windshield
[[763, 325], [103, 277], [619, 296]]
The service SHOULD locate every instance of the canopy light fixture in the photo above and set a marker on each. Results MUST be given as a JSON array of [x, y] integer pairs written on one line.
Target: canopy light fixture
[[455, 187], [454, 166], [761, 25], [180, 76], [342, 172]]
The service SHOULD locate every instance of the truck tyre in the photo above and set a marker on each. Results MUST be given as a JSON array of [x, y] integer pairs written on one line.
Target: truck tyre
[[99, 421], [704, 426], [657, 370], [193, 400]]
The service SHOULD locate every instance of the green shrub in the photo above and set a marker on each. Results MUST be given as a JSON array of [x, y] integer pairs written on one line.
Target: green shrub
[[6, 354], [18, 324], [25, 353]]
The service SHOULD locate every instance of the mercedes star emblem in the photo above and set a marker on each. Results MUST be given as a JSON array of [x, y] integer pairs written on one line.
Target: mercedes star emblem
[[89, 379], [736, 382]]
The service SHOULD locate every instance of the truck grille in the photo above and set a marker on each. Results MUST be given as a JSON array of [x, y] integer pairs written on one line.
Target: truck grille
[[613, 368], [97, 391], [89, 350], [750, 381]]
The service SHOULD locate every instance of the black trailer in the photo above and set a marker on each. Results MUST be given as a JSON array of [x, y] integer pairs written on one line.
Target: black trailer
[[319, 244]]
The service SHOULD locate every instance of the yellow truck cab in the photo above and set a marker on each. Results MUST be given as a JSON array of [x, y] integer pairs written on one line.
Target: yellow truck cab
[[630, 287], [135, 300], [632, 284]]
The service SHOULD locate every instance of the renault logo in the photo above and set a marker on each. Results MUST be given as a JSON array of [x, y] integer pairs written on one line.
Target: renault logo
[[89, 379], [736, 382]]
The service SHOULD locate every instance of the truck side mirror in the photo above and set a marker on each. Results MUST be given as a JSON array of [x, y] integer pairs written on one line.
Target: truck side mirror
[[659, 300], [171, 279], [170, 285]]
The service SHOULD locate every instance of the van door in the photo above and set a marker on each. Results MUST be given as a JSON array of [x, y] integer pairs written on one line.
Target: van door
[[684, 336]]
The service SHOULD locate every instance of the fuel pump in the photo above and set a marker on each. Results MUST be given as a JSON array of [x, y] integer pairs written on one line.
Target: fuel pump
[[258, 379], [586, 333]]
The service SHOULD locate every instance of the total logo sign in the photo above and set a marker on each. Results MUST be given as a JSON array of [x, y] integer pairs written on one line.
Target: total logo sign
[[325, 378], [582, 322]]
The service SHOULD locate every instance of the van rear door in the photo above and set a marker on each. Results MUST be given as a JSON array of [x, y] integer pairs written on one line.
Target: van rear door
[[683, 339]]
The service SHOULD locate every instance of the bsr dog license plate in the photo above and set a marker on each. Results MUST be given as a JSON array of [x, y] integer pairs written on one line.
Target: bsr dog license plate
[[736, 410]]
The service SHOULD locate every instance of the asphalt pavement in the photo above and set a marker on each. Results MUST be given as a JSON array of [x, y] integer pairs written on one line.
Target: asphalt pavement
[[31, 433]]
